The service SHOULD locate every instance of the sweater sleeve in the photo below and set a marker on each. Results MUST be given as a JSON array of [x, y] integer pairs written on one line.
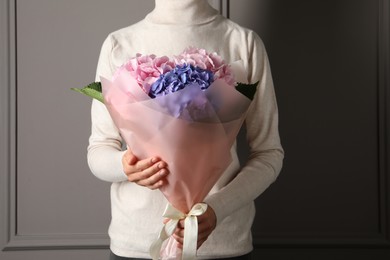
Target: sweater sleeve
[[105, 143], [266, 153]]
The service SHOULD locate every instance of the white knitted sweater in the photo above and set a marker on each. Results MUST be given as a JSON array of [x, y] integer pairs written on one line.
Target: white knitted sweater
[[136, 211]]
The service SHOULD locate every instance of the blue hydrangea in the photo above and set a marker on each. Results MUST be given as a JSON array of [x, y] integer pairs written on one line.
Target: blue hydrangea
[[179, 77]]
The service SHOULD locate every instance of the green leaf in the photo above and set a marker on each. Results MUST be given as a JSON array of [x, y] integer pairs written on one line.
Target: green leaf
[[248, 90], [93, 90]]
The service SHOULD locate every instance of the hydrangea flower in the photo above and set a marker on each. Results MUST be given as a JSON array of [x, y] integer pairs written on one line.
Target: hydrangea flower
[[208, 61], [179, 77], [146, 69]]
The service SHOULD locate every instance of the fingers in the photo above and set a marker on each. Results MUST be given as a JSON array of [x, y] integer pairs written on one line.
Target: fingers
[[150, 176], [206, 225], [147, 163], [154, 182], [179, 233], [130, 166], [149, 172], [179, 237], [204, 231]]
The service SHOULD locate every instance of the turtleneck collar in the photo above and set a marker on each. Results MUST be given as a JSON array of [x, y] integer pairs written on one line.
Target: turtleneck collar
[[186, 12]]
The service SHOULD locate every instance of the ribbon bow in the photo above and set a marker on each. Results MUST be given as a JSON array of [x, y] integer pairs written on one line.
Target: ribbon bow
[[190, 230]]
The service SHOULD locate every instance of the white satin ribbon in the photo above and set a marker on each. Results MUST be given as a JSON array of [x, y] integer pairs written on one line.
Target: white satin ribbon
[[190, 230]]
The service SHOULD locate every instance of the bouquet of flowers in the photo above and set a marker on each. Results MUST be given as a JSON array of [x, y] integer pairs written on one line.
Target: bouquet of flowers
[[188, 110]]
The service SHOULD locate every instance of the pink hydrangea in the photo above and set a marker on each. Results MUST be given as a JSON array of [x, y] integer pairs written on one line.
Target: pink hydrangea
[[208, 61], [146, 69]]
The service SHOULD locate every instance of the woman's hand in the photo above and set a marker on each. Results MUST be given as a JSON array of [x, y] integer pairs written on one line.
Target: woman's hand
[[149, 172], [206, 224]]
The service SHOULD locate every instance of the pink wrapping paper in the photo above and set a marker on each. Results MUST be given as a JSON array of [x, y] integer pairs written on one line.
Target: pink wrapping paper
[[197, 152]]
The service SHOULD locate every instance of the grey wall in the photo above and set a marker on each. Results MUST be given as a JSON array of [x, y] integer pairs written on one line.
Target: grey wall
[[330, 62]]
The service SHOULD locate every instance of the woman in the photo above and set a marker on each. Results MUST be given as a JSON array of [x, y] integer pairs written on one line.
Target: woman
[[136, 203]]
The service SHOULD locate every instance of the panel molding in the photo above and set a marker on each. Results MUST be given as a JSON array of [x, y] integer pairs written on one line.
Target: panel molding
[[57, 242], [384, 113], [222, 6], [7, 97], [10, 239]]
